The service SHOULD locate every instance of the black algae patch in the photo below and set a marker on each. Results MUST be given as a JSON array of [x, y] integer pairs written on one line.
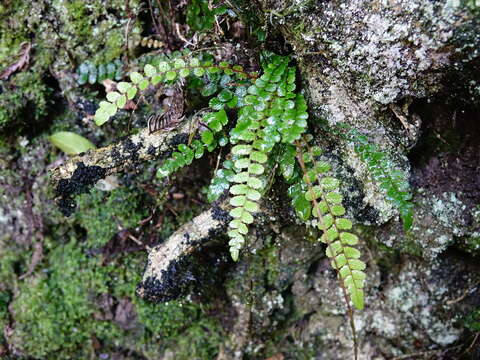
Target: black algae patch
[[131, 149], [179, 139], [82, 179], [201, 273], [116, 156], [220, 215], [176, 281], [151, 150]]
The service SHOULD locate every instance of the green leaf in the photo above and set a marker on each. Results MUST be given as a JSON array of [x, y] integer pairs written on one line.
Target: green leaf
[[351, 252], [199, 71], [241, 177], [357, 298], [131, 92], [254, 183], [71, 143], [325, 223], [194, 62], [241, 149], [179, 63], [149, 70], [136, 77], [256, 169], [258, 157], [334, 249], [225, 95], [344, 224], [156, 79], [121, 101], [329, 183], [239, 189], [348, 238], [112, 96], [313, 193], [184, 72], [242, 163], [216, 104], [143, 84], [356, 264], [207, 137], [247, 218], [236, 213], [334, 198], [123, 87], [253, 195], [338, 210], [250, 206], [303, 208], [101, 117], [171, 75], [163, 66], [238, 200]]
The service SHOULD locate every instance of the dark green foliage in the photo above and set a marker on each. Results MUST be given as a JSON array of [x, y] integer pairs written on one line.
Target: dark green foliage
[[201, 14], [89, 73], [209, 140], [178, 66], [221, 181], [472, 321], [392, 180], [270, 116]]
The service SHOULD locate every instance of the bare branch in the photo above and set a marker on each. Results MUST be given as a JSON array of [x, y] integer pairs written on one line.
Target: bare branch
[[81, 172], [164, 278]]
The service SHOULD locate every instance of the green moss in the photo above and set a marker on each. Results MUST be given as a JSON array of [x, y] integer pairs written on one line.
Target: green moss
[[59, 311], [53, 311], [103, 214], [27, 103], [80, 21]]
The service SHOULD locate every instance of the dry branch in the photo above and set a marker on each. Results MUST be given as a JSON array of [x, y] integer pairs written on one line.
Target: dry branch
[[167, 274]]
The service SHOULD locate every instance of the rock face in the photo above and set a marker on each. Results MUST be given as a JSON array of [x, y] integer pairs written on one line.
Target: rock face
[[406, 74]]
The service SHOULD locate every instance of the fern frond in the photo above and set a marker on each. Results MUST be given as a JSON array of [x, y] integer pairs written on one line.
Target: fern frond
[[215, 121], [89, 73], [322, 192], [262, 123], [392, 180], [168, 72]]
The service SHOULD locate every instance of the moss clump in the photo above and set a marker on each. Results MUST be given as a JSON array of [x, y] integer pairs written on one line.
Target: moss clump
[[102, 214], [23, 100], [72, 301], [53, 311]]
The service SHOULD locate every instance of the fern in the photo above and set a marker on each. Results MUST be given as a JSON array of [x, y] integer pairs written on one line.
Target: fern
[[273, 113], [166, 72], [88, 72], [392, 180], [269, 130], [186, 153], [201, 14], [323, 193]]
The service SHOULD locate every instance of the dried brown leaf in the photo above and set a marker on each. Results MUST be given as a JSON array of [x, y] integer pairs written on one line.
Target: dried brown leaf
[[24, 58]]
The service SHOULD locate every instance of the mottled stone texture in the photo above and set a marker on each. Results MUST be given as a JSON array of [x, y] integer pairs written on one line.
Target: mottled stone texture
[[405, 73]]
